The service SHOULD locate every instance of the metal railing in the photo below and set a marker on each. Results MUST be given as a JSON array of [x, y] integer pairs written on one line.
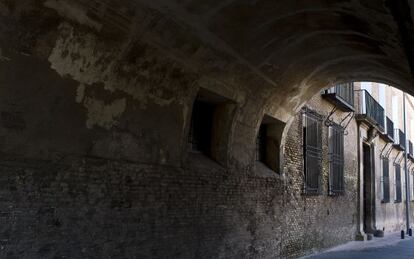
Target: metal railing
[[371, 109], [399, 139], [389, 128], [344, 91]]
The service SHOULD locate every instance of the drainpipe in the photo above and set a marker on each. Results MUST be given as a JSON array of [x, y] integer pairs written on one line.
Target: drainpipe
[[407, 176]]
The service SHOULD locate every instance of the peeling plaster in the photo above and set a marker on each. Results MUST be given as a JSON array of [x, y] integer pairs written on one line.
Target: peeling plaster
[[84, 59], [103, 115], [80, 93], [72, 12]]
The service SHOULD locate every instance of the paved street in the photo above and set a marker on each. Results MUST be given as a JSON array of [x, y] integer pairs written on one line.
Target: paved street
[[391, 246]]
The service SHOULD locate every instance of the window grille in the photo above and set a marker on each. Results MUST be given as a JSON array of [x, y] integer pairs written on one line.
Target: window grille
[[398, 183], [336, 159], [312, 152], [385, 180]]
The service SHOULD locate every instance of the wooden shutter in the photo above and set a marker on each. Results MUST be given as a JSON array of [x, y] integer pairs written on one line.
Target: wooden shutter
[[398, 183], [336, 159], [312, 148], [386, 180]]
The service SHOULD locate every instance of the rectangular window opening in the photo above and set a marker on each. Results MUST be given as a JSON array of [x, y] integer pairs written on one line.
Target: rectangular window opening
[[199, 136], [268, 142], [385, 180], [398, 193], [261, 143]]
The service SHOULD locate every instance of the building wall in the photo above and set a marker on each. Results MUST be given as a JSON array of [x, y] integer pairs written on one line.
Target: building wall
[[320, 221], [390, 216]]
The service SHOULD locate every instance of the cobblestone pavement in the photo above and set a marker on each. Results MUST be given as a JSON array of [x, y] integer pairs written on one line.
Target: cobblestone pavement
[[391, 246]]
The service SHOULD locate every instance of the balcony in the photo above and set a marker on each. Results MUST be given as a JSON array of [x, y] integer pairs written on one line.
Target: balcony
[[342, 96], [369, 110], [388, 134], [410, 150], [399, 140]]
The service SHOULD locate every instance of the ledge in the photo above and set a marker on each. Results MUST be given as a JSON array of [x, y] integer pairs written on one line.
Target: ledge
[[339, 102]]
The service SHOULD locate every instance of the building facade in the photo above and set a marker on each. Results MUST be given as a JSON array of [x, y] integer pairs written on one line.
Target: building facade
[[344, 161]]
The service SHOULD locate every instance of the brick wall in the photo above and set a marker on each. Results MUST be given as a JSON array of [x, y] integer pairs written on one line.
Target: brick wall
[[319, 221], [89, 207]]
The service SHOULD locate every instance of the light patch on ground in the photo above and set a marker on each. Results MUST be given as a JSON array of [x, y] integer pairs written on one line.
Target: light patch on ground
[[103, 115], [73, 12]]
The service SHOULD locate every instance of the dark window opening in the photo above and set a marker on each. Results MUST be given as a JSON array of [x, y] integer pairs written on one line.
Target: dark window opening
[[200, 130], [398, 193], [368, 189], [210, 125], [385, 180], [312, 152], [261, 143], [336, 160], [268, 143]]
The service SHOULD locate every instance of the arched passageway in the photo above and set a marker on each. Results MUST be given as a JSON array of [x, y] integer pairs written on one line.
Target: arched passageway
[[98, 134]]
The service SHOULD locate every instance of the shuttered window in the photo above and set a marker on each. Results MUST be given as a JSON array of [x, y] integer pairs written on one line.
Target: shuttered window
[[312, 152], [385, 180], [336, 160], [398, 183]]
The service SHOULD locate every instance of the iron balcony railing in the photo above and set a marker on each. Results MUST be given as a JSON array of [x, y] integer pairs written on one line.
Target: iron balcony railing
[[399, 140], [388, 134], [342, 95], [390, 128], [370, 110]]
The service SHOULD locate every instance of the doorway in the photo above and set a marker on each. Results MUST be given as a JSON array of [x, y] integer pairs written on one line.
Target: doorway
[[368, 190]]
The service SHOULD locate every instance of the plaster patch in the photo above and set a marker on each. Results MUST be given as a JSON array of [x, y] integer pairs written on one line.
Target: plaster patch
[[73, 12], [80, 93], [103, 115], [81, 58]]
